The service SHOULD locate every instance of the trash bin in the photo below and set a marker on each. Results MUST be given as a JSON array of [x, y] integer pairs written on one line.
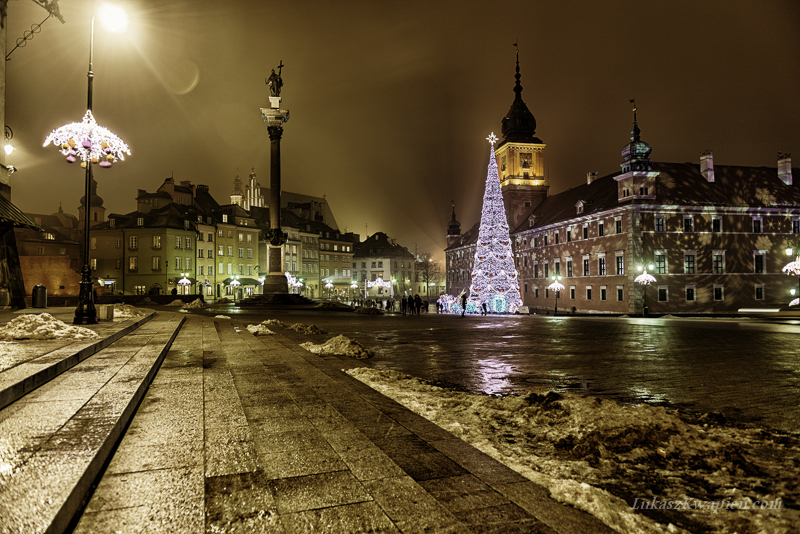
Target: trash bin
[[39, 296]]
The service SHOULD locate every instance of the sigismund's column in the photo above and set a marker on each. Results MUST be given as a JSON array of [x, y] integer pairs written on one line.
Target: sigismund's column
[[275, 281]]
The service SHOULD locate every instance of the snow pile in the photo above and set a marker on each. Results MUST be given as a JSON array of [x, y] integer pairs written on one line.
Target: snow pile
[[195, 304], [126, 310], [224, 300], [600, 456], [221, 317], [369, 311], [43, 326], [147, 301], [307, 329], [274, 322], [178, 303], [259, 330], [339, 346]]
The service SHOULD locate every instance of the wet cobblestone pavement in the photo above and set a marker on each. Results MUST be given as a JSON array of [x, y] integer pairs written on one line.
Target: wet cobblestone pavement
[[746, 369]]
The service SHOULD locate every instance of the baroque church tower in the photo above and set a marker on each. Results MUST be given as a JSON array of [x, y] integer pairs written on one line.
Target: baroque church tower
[[520, 160]]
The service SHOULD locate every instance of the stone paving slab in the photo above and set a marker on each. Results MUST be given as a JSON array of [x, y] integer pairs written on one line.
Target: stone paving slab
[[36, 362], [55, 440], [254, 434]]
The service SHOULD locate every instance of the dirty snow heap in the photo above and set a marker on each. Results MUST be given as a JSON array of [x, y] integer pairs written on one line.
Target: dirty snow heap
[[43, 326]]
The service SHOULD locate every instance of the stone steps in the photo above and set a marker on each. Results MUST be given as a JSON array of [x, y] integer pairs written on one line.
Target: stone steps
[[57, 436], [29, 369]]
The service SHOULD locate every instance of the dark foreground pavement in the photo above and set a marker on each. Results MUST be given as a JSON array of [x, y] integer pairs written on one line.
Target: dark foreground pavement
[[192, 424]]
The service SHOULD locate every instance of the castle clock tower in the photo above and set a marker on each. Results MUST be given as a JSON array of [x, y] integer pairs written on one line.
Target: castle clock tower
[[520, 160]]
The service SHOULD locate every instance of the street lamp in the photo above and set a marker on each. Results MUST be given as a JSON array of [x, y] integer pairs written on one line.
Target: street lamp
[[329, 286], [235, 285], [793, 269], [645, 279], [92, 144], [556, 286]]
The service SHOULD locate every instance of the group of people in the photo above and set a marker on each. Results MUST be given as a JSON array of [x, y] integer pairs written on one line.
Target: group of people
[[413, 305]]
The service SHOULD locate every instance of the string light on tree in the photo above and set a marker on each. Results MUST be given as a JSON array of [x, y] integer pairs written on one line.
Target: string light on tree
[[495, 281]]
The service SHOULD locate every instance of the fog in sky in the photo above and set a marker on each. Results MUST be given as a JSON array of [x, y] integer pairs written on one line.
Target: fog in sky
[[391, 102]]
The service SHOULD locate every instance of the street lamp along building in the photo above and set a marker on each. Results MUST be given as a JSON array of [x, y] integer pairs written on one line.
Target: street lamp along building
[[715, 234]]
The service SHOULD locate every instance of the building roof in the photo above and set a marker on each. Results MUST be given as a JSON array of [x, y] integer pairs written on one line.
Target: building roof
[[12, 215], [380, 245], [679, 184]]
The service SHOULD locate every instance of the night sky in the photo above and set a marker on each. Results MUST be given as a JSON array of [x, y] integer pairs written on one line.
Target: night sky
[[391, 102]]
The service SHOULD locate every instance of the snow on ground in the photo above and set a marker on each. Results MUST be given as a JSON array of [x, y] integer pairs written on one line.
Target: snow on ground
[[221, 317], [43, 326], [178, 303], [195, 304], [259, 330], [307, 329], [339, 346], [600, 456], [122, 311], [274, 322]]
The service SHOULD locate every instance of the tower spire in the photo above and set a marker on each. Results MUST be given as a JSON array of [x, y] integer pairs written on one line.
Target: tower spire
[[519, 124]]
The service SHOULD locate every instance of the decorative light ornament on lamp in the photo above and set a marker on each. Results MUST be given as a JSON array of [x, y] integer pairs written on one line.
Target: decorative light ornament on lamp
[[645, 279], [88, 141], [556, 286]]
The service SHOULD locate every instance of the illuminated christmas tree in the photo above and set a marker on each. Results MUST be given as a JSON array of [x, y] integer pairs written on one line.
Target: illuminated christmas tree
[[494, 275]]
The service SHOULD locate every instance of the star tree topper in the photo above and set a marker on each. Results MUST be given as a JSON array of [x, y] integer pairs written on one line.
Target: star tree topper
[[492, 139]]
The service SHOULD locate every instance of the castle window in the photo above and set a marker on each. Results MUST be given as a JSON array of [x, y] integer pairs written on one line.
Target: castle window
[[756, 225], [659, 223], [691, 293], [688, 224], [759, 260], [660, 260], [759, 291]]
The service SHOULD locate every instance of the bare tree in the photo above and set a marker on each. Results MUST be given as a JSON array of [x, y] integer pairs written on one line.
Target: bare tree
[[429, 271]]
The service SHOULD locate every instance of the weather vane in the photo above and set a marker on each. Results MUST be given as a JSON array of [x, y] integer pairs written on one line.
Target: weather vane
[[492, 139]]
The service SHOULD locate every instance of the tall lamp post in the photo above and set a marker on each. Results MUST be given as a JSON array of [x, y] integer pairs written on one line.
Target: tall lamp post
[[92, 144], [645, 279], [235, 285], [556, 286]]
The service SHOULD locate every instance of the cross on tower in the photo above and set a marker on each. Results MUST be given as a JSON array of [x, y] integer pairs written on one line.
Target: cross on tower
[[280, 66]]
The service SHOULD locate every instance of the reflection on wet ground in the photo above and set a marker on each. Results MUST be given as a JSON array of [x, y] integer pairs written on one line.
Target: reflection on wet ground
[[746, 369]]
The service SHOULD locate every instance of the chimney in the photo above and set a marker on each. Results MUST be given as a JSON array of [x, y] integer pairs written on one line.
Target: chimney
[[707, 166], [785, 168], [590, 177]]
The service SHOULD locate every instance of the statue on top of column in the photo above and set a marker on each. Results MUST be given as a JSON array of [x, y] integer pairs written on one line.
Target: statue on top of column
[[275, 82]]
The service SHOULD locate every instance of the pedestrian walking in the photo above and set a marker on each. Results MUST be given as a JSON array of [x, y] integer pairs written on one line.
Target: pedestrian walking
[[417, 303], [403, 304], [463, 303]]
